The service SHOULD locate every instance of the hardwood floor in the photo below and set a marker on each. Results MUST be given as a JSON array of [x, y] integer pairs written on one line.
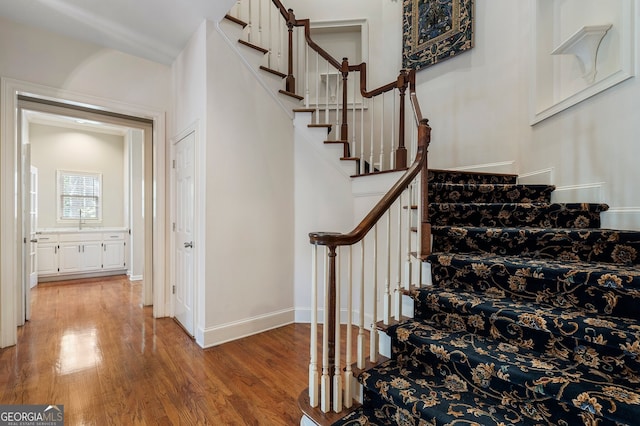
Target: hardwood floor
[[91, 346]]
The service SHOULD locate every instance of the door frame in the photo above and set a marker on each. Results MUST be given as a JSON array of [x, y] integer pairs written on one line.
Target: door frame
[[11, 280]]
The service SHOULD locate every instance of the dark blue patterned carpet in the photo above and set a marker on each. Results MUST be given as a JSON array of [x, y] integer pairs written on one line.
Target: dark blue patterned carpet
[[533, 317]]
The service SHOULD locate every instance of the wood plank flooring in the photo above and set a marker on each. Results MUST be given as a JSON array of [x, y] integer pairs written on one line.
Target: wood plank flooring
[[91, 346]]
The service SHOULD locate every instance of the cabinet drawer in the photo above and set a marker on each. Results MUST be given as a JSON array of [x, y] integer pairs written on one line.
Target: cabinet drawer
[[113, 236], [47, 238]]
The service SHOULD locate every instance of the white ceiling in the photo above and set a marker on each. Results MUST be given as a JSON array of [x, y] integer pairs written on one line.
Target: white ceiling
[[153, 29]]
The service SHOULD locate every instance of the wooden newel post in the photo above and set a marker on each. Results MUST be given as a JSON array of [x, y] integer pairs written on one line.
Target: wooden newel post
[[344, 128], [290, 82], [401, 151], [424, 138]]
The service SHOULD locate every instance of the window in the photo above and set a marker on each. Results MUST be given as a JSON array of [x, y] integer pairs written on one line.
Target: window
[[79, 196]]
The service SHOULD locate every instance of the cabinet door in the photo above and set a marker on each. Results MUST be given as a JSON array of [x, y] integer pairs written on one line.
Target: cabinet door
[[47, 259], [70, 257], [113, 255], [91, 256]]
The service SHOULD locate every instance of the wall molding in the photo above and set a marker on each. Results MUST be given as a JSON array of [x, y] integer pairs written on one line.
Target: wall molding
[[551, 90], [213, 336]]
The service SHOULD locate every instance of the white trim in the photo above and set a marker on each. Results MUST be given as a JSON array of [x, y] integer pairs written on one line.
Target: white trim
[[582, 193], [622, 218], [487, 167], [238, 329], [9, 221], [542, 176]]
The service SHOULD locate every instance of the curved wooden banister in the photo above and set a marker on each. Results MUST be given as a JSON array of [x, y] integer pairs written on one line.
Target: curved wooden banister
[[333, 239]]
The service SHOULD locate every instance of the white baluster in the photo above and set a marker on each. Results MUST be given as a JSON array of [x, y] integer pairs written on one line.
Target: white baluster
[[270, 33], [387, 284], [407, 272], [394, 110], [317, 114], [399, 271], [362, 159], [353, 142], [371, 119], [249, 22], [325, 384], [306, 74], [361, 336], [348, 373], [327, 120], [373, 336], [382, 136], [313, 364], [337, 374]]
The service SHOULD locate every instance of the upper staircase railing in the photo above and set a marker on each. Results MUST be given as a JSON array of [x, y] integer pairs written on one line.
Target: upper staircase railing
[[370, 123], [359, 278]]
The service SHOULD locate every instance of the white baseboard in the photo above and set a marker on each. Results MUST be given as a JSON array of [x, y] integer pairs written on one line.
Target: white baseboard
[[135, 277], [499, 167], [235, 330], [584, 193], [537, 177], [627, 218]]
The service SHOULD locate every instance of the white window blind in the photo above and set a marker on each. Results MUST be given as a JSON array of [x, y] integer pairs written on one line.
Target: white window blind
[[79, 195]]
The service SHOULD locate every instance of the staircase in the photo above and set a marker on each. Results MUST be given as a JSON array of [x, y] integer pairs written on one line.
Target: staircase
[[531, 317]]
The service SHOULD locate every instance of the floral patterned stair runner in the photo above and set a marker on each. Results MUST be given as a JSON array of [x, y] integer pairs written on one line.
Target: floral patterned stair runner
[[532, 317]]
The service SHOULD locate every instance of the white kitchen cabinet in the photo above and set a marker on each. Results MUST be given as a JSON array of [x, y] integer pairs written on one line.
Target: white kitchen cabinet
[[47, 255], [81, 252], [113, 250]]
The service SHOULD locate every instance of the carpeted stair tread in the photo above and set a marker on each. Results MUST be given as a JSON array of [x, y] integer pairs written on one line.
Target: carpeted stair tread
[[544, 215], [437, 395], [496, 368], [591, 245], [489, 193], [589, 343], [376, 411], [598, 288], [451, 176]]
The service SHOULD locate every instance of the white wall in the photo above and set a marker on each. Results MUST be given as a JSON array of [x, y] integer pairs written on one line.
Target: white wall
[[244, 194], [56, 148], [249, 211]]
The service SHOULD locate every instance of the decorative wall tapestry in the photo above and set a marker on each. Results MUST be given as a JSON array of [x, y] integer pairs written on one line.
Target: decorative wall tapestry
[[434, 30]]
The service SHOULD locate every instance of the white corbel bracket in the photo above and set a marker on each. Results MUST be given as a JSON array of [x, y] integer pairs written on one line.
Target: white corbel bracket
[[584, 45]]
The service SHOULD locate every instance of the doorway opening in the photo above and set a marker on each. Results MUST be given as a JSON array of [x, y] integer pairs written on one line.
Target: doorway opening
[[15, 255], [83, 176]]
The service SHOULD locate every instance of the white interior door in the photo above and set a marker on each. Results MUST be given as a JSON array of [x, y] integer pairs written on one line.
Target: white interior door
[[184, 286], [33, 222]]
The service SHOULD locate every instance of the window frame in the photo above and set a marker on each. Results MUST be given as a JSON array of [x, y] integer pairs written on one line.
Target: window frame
[[60, 174]]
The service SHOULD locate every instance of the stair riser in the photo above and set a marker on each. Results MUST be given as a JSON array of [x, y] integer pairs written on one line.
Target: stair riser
[[457, 193], [510, 215], [470, 178], [595, 291], [590, 245]]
